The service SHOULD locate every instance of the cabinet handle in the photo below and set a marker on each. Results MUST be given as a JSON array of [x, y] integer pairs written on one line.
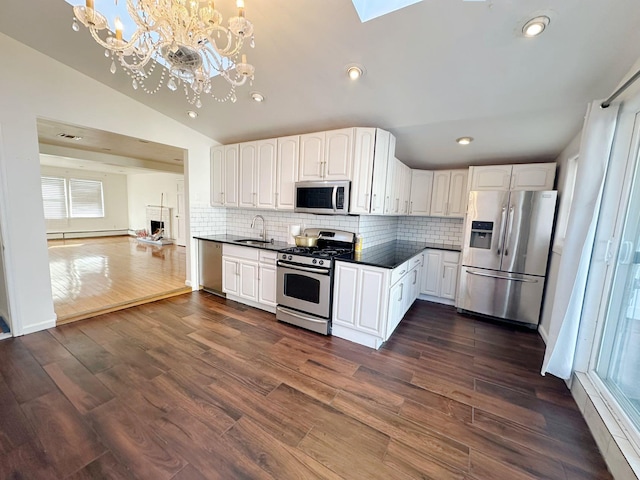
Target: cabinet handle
[[254, 198], [406, 206], [386, 204], [415, 276], [411, 208], [397, 210], [401, 292], [222, 197], [324, 169]]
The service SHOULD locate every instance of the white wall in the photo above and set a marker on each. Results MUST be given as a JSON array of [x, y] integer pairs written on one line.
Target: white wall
[[38, 86], [4, 305], [570, 151], [114, 191], [147, 189]]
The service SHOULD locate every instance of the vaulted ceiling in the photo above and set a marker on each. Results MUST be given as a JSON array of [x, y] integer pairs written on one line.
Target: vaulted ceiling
[[435, 71]]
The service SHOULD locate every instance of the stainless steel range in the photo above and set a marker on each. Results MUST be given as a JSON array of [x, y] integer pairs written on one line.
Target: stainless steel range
[[305, 279]]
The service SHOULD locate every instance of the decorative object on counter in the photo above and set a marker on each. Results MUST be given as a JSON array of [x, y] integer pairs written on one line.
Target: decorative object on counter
[[187, 39], [306, 240], [293, 231], [359, 240]]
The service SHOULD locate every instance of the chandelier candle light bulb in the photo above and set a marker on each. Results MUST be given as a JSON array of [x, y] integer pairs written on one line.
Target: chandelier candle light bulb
[[186, 37]]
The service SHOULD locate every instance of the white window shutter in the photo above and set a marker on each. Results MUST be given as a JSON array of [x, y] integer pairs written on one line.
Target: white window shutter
[[86, 198], [54, 198]]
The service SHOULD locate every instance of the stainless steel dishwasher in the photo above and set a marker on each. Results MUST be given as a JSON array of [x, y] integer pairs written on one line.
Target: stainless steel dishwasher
[[210, 260]]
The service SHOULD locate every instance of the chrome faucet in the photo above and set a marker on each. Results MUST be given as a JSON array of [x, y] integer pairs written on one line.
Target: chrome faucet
[[264, 226]]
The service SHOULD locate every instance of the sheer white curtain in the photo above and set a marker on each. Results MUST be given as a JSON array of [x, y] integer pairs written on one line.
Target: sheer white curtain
[[595, 150]]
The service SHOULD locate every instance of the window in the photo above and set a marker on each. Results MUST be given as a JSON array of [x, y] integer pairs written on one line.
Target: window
[[86, 200], [72, 198], [566, 200], [54, 198]]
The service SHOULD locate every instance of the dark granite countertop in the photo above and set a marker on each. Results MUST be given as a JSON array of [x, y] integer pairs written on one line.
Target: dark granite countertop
[[393, 254], [233, 240]]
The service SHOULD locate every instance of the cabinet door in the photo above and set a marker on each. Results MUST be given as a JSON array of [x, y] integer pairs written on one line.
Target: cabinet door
[[230, 169], [287, 172], [380, 163], [390, 188], [449, 280], [338, 154], [217, 176], [421, 186], [365, 141], [230, 276], [345, 294], [371, 285], [491, 177], [265, 176], [311, 156], [405, 196], [248, 280], [457, 204], [267, 280], [431, 273], [396, 307], [440, 194], [533, 176], [247, 172]]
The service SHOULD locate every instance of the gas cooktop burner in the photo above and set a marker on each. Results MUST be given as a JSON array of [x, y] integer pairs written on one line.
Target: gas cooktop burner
[[317, 252]]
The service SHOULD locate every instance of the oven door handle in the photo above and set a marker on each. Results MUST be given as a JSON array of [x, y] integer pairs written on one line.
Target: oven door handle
[[301, 317], [321, 271], [334, 199]]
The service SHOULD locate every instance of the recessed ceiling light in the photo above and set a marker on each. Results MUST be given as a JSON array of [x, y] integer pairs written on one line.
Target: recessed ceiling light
[[192, 114], [355, 72], [257, 97], [464, 140], [535, 26]]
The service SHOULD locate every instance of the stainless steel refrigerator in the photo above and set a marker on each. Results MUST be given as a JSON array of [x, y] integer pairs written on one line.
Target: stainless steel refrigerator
[[504, 253]]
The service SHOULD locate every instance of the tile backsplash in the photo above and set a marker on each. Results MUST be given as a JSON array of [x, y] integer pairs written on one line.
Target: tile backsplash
[[207, 220]]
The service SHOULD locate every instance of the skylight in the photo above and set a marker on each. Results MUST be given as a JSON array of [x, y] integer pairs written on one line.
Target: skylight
[[370, 9]]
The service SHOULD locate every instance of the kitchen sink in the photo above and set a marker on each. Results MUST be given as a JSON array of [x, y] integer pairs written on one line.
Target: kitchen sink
[[251, 241]]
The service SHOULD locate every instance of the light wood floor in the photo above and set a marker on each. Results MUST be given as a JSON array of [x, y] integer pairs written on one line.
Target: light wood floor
[[198, 387], [95, 275]]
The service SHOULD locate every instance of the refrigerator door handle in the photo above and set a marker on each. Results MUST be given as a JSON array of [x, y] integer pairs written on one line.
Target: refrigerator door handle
[[507, 239], [513, 279], [501, 234]]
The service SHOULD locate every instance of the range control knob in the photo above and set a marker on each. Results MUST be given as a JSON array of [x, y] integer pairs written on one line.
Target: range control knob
[[316, 261], [289, 257], [284, 256], [321, 262]]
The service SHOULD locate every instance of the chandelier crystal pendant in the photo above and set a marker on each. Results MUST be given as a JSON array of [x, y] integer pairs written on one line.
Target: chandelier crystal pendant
[[185, 36]]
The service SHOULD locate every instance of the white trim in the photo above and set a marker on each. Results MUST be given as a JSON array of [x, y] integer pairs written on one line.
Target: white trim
[[189, 284], [87, 234], [355, 336], [37, 327], [543, 333], [620, 453], [252, 303], [434, 299]]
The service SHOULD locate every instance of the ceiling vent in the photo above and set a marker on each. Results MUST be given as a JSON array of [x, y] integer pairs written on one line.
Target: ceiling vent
[[68, 136]]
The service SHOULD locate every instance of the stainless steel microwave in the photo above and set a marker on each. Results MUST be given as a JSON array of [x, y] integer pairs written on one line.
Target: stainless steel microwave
[[325, 197]]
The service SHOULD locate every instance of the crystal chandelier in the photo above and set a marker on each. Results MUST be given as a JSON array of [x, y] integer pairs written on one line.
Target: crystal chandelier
[[186, 36]]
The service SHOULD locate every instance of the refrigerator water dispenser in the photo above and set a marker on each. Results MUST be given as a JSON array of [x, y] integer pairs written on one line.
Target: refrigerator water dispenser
[[481, 234]]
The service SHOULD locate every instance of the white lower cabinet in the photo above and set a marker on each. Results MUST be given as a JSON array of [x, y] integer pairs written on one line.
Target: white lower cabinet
[[369, 302], [249, 276], [440, 276]]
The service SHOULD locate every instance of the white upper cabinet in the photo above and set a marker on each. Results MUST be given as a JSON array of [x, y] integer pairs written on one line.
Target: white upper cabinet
[[421, 186], [287, 172], [363, 165], [311, 156], [326, 155], [529, 176], [449, 196], [492, 177], [257, 182], [384, 143], [224, 175], [533, 176], [338, 154]]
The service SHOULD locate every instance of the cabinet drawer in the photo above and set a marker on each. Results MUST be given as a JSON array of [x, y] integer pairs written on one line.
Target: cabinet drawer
[[267, 256], [399, 272], [247, 253], [415, 261], [451, 257]]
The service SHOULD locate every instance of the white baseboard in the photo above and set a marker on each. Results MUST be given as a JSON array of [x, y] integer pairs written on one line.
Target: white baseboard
[[189, 283], [543, 333], [98, 233], [39, 326], [251, 303], [431, 298]]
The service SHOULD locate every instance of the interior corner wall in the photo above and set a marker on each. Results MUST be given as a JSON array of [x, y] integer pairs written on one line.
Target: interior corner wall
[[150, 189], [30, 93], [114, 192], [4, 302], [570, 151]]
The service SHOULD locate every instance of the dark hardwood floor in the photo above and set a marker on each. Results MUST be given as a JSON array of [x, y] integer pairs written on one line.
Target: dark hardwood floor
[[196, 387]]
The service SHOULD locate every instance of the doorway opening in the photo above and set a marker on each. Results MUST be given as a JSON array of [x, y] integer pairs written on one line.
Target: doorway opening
[[98, 188]]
